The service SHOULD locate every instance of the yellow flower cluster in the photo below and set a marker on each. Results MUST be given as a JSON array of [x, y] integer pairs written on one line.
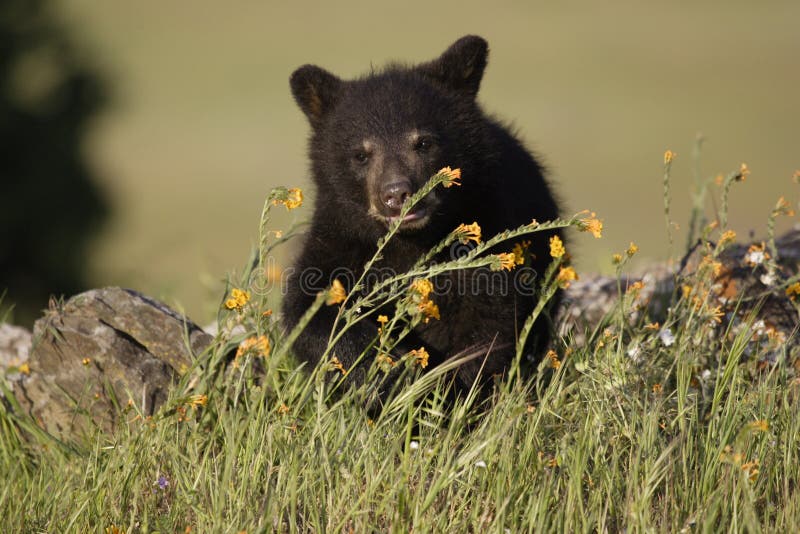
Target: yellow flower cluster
[[259, 345], [727, 237], [793, 290], [565, 276], [519, 251], [238, 299], [422, 289], [452, 176], [744, 172], [505, 260], [593, 225], [783, 208], [730, 456], [385, 361], [420, 356], [759, 425], [335, 364], [197, 400], [468, 232], [557, 249], [292, 198], [336, 294], [668, 156], [555, 363]]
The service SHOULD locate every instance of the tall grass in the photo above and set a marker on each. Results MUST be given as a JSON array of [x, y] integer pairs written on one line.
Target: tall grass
[[676, 426]]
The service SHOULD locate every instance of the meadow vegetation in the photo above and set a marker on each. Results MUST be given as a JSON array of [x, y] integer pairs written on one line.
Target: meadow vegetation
[[679, 422]]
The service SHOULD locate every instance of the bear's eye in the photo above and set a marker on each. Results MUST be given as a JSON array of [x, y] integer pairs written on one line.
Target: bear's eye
[[423, 144], [361, 156]]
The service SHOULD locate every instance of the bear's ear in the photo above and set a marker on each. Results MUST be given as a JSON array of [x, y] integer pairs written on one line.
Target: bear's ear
[[315, 90], [461, 66]]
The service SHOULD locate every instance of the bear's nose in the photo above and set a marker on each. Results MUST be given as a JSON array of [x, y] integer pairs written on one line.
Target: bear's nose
[[394, 194]]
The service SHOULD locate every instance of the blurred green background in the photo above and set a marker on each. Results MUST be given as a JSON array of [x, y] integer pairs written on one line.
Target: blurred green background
[[201, 124]]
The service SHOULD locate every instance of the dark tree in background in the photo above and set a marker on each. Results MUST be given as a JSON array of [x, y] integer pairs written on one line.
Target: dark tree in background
[[49, 203]]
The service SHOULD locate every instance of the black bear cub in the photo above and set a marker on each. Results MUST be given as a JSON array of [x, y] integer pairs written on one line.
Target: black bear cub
[[375, 141]]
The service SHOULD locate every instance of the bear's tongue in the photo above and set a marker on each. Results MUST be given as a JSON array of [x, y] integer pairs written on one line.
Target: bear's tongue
[[418, 213]]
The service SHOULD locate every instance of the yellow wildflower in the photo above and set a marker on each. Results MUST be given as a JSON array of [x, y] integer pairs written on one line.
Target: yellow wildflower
[[238, 299], [429, 309], [632, 249], [385, 361], [652, 326], [709, 263], [743, 172], [336, 294], [507, 261], [555, 363], [635, 287], [519, 251], [668, 155], [557, 249], [86, 361], [759, 425], [25, 369], [729, 456], [421, 357], [382, 319], [793, 290], [592, 225], [727, 237], [197, 400], [335, 364], [283, 409], [616, 259], [565, 276], [783, 208], [292, 198], [657, 388], [260, 345], [468, 232], [452, 176], [751, 469], [422, 286], [686, 290]]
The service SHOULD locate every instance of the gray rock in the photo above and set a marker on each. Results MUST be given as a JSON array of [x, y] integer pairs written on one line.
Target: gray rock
[[15, 346], [100, 351]]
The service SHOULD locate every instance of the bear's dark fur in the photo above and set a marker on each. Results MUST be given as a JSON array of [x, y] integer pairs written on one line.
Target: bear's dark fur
[[374, 141]]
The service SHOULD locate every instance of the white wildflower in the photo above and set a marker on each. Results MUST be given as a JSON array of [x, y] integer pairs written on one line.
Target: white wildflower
[[755, 257], [481, 464], [414, 445], [666, 336], [634, 352]]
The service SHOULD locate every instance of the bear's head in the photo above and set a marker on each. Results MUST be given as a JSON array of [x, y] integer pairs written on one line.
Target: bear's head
[[377, 139]]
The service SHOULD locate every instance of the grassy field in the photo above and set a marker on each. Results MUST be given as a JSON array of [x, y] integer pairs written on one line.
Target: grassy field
[[203, 125], [674, 427]]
